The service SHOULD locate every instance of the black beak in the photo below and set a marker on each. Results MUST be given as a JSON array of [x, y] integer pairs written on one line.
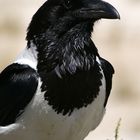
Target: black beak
[[104, 10], [97, 10]]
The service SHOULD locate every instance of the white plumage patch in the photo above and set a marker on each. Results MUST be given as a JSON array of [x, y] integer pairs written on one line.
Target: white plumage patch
[[28, 57]]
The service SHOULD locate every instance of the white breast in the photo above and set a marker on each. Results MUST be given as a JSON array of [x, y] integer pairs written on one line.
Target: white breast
[[41, 122]]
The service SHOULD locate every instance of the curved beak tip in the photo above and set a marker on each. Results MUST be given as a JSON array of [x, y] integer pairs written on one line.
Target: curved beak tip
[[110, 12], [116, 14]]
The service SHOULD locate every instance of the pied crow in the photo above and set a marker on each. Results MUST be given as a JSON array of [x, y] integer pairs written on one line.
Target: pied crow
[[58, 87]]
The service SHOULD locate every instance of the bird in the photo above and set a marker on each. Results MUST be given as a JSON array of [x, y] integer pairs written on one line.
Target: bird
[[58, 86]]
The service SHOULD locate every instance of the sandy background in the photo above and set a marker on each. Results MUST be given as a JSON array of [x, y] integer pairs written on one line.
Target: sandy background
[[117, 41]]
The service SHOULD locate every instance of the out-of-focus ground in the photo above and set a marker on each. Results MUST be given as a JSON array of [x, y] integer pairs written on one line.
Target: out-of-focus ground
[[117, 41]]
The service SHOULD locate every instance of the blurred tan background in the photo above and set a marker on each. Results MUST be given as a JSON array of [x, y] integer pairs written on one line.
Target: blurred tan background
[[117, 41]]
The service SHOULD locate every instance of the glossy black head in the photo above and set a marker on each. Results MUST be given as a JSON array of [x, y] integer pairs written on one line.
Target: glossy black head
[[53, 10]]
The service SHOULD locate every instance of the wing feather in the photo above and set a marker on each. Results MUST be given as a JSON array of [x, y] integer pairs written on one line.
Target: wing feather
[[18, 84]]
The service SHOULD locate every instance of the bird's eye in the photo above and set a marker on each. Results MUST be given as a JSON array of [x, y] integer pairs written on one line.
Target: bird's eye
[[67, 4]]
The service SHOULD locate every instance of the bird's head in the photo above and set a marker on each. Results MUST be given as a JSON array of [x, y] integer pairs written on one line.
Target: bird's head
[[53, 10]]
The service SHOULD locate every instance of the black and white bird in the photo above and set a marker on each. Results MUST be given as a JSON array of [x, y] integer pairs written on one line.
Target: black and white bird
[[58, 87]]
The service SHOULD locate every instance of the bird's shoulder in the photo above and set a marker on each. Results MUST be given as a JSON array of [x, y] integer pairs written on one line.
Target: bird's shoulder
[[18, 84], [108, 71]]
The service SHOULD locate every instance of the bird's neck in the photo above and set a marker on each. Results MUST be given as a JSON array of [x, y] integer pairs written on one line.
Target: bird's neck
[[67, 43]]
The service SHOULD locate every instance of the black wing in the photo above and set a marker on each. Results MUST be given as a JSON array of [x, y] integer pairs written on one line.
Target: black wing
[[108, 72], [18, 84]]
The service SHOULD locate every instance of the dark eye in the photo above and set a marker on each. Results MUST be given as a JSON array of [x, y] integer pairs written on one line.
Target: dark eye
[[67, 4]]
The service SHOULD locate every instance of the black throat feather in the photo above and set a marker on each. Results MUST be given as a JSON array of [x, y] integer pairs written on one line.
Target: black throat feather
[[67, 65]]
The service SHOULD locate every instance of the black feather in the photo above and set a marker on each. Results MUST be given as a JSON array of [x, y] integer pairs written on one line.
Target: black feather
[[18, 84]]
